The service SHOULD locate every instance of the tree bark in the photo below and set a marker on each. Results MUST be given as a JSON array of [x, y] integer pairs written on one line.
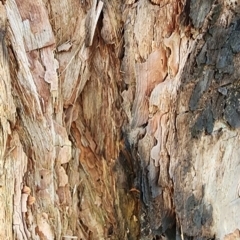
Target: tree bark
[[119, 119]]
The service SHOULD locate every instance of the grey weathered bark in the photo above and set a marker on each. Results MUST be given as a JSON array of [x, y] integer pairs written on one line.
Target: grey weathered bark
[[119, 119]]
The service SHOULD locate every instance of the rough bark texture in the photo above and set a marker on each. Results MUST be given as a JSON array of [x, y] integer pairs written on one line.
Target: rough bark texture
[[119, 119]]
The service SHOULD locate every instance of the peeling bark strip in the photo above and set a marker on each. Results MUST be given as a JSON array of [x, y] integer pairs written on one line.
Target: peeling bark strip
[[37, 31], [91, 21], [119, 120]]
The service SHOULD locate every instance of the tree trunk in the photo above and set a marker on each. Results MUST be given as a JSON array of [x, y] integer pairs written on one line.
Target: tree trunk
[[119, 119]]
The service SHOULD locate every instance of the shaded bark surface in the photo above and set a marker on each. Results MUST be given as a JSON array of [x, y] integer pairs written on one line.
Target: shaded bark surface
[[119, 119]]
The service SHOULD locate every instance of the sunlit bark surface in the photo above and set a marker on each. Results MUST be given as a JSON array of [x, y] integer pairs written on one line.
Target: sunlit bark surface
[[119, 119]]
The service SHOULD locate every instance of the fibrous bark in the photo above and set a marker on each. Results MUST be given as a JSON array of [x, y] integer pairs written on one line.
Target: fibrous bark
[[119, 119]]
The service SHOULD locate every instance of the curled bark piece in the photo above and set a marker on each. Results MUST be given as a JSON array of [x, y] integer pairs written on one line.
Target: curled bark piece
[[156, 1], [173, 42], [31, 200], [64, 47], [91, 22], [69, 237], [26, 190], [130, 2]]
